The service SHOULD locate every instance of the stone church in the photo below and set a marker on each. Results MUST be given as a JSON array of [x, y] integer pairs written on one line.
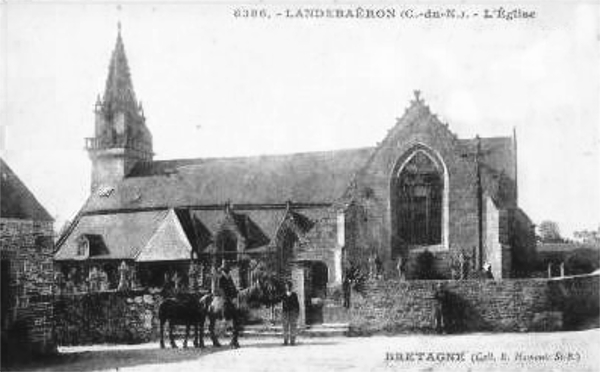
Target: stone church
[[422, 197]]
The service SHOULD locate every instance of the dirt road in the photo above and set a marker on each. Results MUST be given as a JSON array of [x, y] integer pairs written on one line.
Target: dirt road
[[565, 351]]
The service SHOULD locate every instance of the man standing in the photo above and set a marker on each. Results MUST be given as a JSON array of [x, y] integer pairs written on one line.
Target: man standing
[[228, 291], [291, 310], [227, 287], [439, 296], [347, 291]]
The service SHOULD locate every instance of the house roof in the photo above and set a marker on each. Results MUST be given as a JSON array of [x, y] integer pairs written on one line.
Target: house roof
[[16, 200], [167, 235], [124, 234], [169, 242], [319, 177], [258, 227], [97, 248]]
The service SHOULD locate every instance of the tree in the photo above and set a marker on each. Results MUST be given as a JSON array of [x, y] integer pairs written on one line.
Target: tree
[[590, 237], [549, 232]]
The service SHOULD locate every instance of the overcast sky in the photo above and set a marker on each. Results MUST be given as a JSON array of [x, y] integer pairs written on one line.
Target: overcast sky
[[213, 85]]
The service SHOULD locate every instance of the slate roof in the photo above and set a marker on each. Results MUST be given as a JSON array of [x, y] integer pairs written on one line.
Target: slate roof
[[257, 226], [124, 234], [169, 242], [97, 248], [128, 213], [119, 88], [318, 177], [16, 201]]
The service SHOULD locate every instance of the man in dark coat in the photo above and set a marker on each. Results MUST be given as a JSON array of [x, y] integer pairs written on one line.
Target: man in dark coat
[[227, 290], [439, 296], [291, 311]]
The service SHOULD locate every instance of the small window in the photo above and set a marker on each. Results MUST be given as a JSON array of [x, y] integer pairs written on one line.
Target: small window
[[82, 247]]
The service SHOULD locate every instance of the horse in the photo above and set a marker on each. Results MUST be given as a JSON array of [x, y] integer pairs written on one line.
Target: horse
[[218, 308], [184, 309], [193, 309]]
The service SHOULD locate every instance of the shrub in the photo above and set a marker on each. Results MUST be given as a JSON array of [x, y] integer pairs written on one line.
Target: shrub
[[424, 269]]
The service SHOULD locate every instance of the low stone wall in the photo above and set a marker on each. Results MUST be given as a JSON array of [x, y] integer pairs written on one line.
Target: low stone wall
[[517, 305], [106, 317], [577, 297], [123, 317], [388, 306]]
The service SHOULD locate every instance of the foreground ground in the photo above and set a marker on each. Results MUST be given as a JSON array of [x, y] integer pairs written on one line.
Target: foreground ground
[[564, 351]]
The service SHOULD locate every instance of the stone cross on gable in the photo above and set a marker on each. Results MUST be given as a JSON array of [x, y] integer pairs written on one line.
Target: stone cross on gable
[[418, 96]]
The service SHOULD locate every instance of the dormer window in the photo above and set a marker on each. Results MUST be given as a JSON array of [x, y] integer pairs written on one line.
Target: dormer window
[[83, 247]]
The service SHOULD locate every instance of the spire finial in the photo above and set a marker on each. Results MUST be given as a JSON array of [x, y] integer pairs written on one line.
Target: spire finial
[[418, 95], [119, 27]]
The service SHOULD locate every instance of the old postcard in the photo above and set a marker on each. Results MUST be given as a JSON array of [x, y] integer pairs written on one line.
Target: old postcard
[[300, 186]]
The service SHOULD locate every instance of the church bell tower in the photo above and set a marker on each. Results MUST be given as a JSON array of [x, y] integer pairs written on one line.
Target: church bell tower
[[121, 138]]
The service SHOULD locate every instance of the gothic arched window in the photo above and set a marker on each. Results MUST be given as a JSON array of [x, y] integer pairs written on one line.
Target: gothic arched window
[[419, 194]]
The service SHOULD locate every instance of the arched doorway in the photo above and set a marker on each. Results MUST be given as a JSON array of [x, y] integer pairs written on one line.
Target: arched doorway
[[317, 277], [418, 201], [226, 243]]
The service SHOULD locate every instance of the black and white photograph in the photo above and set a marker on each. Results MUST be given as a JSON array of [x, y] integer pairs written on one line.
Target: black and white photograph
[[300, 186]]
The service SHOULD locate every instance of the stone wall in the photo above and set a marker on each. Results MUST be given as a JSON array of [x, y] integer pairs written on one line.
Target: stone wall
[[418, 130], [26, 250], [578, 299], [474, 305], [321, 241], [124, 317], [113, 317]]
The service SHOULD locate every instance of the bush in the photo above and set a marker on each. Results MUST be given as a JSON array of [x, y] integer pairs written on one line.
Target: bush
[[582, 261], [424, 269]]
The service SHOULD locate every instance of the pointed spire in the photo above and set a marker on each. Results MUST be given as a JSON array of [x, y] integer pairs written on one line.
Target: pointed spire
[[119, 88]]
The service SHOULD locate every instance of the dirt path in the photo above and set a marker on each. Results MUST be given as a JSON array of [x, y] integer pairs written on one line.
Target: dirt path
[[474, 352]]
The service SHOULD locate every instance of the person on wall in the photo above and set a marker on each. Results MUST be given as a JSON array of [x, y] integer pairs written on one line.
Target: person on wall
[[487, 271]]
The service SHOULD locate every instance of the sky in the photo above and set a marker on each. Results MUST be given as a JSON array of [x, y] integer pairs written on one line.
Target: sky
[[215, 85]]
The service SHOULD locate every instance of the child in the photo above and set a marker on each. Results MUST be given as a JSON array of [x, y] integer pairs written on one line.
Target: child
[[291, 310]]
